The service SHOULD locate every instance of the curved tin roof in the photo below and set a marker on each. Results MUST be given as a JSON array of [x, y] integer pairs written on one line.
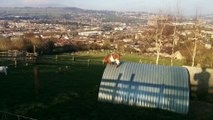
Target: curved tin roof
[[146, 85]]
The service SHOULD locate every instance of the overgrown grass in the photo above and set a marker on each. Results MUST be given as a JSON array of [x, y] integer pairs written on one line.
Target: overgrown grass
[[68, 91]]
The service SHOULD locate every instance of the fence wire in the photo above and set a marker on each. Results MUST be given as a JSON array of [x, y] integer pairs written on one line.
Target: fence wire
[[11, 116]]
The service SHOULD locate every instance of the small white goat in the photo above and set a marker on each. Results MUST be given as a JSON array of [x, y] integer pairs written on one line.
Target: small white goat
[[3, 69]]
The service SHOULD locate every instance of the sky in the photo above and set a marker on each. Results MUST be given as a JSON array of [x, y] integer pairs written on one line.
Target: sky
[[186, 7]]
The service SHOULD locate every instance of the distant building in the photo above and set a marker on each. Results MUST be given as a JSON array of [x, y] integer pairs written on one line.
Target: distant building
[[208, 46], [119, 28], [156, 19], [178, 55], [90, 33]]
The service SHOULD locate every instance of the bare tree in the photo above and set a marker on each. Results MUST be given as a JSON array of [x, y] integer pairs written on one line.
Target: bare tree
[[160, 26], [36, 41], [196, 38], [175, 38]]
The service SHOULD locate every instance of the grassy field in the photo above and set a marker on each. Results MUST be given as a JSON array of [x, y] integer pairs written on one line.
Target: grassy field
[[68, 91]]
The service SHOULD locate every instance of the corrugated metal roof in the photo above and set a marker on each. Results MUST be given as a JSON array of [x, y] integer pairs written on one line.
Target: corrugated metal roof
[[146, 85]]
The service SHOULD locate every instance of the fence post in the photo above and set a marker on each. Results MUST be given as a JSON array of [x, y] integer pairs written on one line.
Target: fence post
[[15, 53], [36, 81], [56, 58], [73, 59], [88, 62], [140, 61], [18, 117], [15, 62]]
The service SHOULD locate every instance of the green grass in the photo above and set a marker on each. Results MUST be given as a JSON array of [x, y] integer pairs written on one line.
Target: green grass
[[69, 94]]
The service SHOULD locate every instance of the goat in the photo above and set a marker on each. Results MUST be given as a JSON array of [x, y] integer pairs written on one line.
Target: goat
[[3, 69], [112, 58]]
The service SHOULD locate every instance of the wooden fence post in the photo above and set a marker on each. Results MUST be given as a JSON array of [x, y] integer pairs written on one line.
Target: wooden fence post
[[15, 62], [140, 61], [56, 58], [88, 62], [73, 59], [36, 80]]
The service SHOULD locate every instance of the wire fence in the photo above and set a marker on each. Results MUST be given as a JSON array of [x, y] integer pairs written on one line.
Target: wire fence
[[11, 116], [59, 60]]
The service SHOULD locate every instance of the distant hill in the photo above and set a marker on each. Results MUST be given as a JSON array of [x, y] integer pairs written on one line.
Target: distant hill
[[47, 5], [69, 13], [36, 11]]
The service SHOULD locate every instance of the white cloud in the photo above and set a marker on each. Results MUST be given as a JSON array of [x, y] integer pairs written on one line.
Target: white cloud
[[36, 1]]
